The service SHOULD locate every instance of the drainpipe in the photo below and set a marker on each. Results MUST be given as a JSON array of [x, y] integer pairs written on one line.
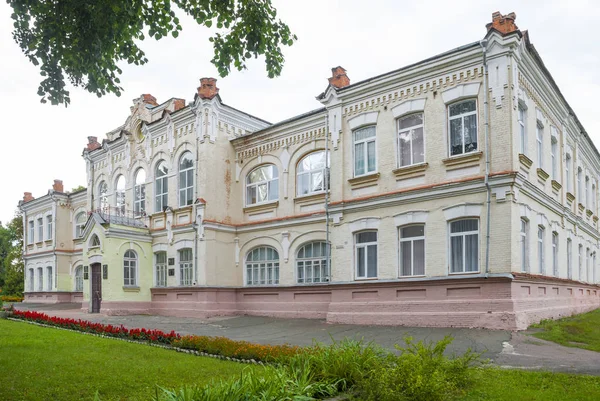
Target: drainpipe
[[483, 45], [326, 183], [195, 225]]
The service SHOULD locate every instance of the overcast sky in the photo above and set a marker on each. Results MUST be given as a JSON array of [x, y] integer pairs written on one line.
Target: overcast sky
[[42, 142]]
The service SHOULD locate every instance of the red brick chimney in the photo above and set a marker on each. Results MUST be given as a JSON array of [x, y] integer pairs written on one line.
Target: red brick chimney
[[339, 79], [208, 88], [58, 186], [93, 143], [149, 99], [178, 104], [504, 24], [27, 197]]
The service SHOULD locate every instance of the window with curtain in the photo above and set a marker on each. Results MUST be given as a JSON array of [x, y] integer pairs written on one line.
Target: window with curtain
[[120, 196], [524, 245], [523, 129], [541, 259], [161, 187], [365, 155], [139, 193], [79, 278], [464, 246], [365, 254], [262, 266], [262, 185], [186, 179], [49, 278], [569, 259], [80, 221], [40, 283], [49, 227], [462, 120], [311, 174], [311, 263], [103, 197], [568, 172], [411, 145], [539, 136], [160, 259], [412, 250], [555, 254], [186, 267], [553, 156], [130, 268]]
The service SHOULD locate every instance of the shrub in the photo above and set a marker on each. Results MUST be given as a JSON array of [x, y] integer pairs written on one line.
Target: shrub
[[420, 372], [10, 298]]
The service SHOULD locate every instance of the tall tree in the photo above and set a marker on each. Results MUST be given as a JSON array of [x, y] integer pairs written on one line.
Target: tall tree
[[12, 264], [84, 41]]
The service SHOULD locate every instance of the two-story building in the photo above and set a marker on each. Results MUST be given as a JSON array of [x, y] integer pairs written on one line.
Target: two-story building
[[457, 191]]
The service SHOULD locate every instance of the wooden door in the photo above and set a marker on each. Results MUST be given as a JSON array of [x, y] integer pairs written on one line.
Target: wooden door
[[96, 287]]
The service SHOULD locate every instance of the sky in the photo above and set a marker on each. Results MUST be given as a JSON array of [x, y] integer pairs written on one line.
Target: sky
[[41, 142]]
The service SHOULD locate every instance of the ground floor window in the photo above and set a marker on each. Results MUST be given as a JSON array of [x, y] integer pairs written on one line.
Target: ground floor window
[[186, 267], [412, 250], [79, 278], [312, 263], [130, 268], [366, 254], [524, 245], [31, 280], [262, 266], [161, 269], [49, 278], [464, 246], [40, 286]]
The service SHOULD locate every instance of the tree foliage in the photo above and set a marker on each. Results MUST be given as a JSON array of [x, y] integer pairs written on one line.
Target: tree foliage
[[83, 42], [11, 257]]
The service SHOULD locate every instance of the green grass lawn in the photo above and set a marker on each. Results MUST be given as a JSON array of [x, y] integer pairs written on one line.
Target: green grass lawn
[[38, 363], [582, 331]]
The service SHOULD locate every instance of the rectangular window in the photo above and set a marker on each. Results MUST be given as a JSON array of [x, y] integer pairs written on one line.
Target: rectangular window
[[31, 238], [161, 269], [553, 154], [464, 246], [40, 279], [40, 224], [412, 251], [48, 227], [579, 186], [129, 271], [587, 264], [365, 159], [139, 204], [366, 254], [541, 250], [48, 278], [523, 129], [580, 277], [587, 192], [569, 259], [411, 145], [31, 279], [568, 172], [186, 267], [462, 121], [540, 144], [555, 254], [524, 245]]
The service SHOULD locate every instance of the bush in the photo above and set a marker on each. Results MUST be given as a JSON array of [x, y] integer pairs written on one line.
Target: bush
[[420, 372], [10, 298]]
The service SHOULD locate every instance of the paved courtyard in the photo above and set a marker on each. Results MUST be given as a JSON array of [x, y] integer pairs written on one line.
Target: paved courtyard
[[504, 348]]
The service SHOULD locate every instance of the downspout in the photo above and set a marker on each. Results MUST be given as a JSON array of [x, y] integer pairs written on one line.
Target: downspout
[[483, 45], [195, 225], [326, 182]]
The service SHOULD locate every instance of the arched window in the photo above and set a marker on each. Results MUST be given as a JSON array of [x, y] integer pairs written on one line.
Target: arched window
[[130, 268], [80, 221], [79, 278], [262, 185], [161, 268], [94, 242], [186, 267], [311, 174], [139, 192], [262, 266], [312, 263], [40, 284], [120, 195], [49, 278], [31, 280], [103, 196], [186, 179], [161, 187]]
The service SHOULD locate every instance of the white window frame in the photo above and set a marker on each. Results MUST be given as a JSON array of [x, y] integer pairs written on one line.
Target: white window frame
[[324, 171], [31, 280], [186, 190], [580, 262], [40, 284], [261, 266], [522, 118], [120, 185], [569, 259], [539, 137], [130, 264], [568, 171], [464, 246], [462, 117], [49, 228], [366, 246], [411, 240], [186, 267], [274, 181], [587, 192], [365, 142], [48, 279], [579, 185], [553, 155], [94, 241], [524, 235], [103, 196], [40, 227], [320, 262], [161, 200], [160, 270], [588, 256], [410, 130], [31, 238], [139, 193], [555, 253], [79, 278], [541, 249]]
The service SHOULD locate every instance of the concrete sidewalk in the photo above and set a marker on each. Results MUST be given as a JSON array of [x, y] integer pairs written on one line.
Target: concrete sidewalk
[[502, 347]]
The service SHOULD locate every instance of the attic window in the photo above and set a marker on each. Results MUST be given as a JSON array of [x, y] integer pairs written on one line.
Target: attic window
[[94, 241]]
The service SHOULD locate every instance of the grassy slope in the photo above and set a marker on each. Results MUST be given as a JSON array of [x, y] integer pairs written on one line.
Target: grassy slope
[[47, 364], [582, 331]]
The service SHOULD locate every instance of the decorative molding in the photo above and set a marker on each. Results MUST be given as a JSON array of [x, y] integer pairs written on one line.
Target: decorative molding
[[361, 120], [570, 197], [365, 223], [285, 245], [409, 106], [412, 217], [310, 199], [525, 161], [463, 210], [589, 212], [272, 144], [414, 170], [581, 207], [261, 207], [461, 92], [364, 180], [556, 185], [542, 174], [461, 161]]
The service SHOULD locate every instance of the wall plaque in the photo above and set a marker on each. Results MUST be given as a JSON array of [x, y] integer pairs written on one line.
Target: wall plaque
[[105, 272]]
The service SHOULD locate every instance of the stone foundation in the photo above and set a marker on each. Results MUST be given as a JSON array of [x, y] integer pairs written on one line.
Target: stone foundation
[[52, 297]]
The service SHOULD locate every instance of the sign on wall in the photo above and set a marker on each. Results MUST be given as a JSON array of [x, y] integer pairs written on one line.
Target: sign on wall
[[105, 272]]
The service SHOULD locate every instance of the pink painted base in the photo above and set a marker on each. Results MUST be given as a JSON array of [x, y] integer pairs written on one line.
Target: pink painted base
[[52, 297]]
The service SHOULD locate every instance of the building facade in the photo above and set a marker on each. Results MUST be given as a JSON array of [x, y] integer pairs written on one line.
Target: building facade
[[458, 191]]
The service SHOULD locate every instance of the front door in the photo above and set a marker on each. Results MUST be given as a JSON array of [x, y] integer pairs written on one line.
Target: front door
[[96, 287]]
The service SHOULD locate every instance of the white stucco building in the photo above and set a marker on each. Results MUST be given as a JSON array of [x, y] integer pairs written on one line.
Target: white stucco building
[[463, 192]]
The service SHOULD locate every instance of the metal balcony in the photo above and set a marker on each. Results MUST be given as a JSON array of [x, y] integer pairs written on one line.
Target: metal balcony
[[118, 215]]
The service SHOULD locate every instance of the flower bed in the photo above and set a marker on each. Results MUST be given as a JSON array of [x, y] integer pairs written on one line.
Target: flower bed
[[216, 346], [10, 298]]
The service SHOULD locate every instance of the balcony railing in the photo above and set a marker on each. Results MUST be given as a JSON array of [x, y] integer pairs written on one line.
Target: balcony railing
[[121, 216]]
